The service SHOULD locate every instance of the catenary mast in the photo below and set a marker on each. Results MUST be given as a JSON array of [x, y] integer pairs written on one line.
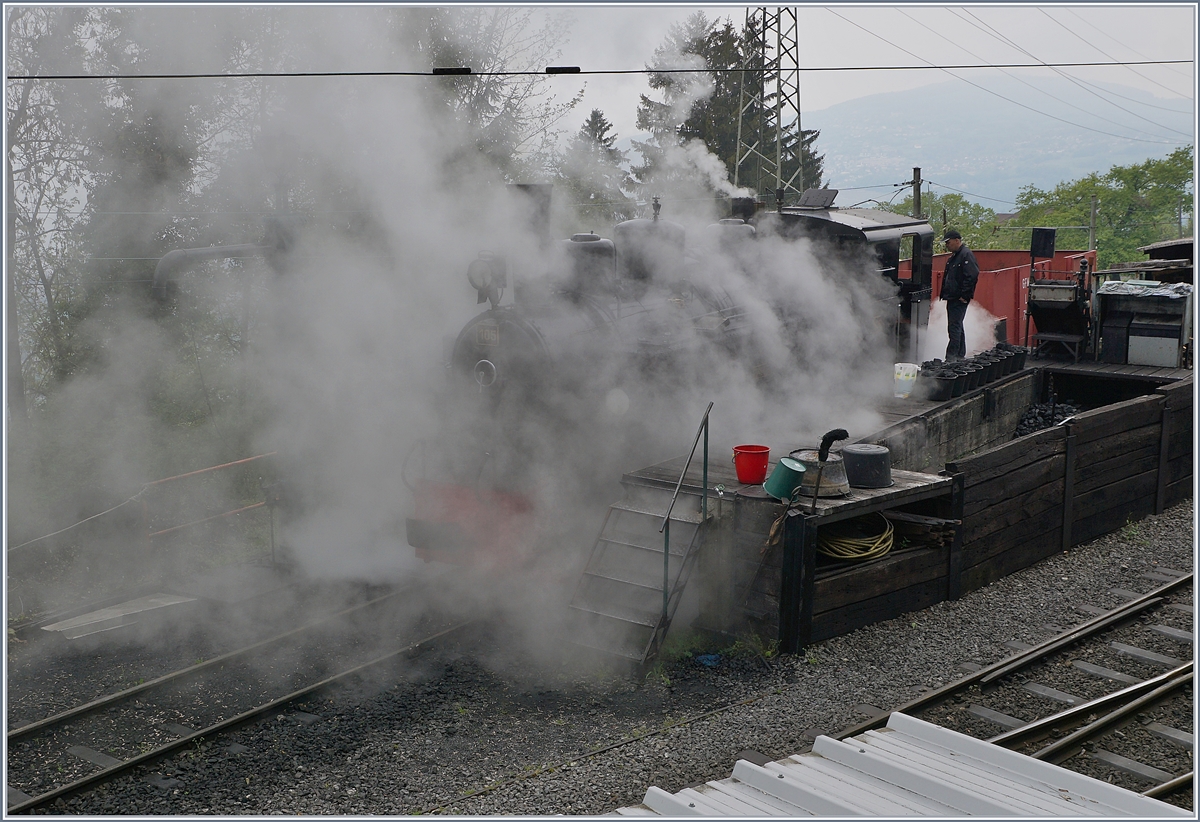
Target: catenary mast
[[769, 154]]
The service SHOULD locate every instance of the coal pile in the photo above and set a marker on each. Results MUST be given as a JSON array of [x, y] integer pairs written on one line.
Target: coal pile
[[1044, 415]]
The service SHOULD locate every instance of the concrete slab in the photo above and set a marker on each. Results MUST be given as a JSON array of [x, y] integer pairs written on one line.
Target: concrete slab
[[1131, 766], [1003, 720], [116, 616], [95, 757], [1183, 739], [15, 797]]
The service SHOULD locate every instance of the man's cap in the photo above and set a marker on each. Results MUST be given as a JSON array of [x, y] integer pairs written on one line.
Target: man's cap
[[951, 234]]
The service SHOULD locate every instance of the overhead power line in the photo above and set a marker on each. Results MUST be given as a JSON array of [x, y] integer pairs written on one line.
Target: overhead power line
[[969, 194], [568, 70], [1105, 53], [1088, 87], [947, 69], [1073, 80]]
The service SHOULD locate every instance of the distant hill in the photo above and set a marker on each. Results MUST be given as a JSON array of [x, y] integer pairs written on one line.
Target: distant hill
[[967, 139]]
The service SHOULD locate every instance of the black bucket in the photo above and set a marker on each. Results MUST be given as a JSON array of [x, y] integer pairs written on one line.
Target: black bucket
[[867, 465]]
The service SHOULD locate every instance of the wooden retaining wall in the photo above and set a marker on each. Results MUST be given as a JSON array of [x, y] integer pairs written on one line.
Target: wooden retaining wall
[[1045, 492], [983, 419], [1019, 501]]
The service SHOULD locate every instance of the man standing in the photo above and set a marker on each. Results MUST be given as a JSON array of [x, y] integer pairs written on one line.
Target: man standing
[[958, 287]]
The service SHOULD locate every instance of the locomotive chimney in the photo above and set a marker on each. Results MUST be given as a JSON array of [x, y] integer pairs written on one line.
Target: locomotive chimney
[[532, 203]]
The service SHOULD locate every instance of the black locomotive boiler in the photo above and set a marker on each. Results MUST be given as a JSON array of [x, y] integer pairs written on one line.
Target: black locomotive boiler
[[612, 319], [637, 301]]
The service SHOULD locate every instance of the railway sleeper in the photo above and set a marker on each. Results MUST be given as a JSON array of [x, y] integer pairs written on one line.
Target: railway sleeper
[[1183, 739], [1003, 720], [1146, 656], [1186, 637], [1052, 693], [1131, 766], [1104, 673]]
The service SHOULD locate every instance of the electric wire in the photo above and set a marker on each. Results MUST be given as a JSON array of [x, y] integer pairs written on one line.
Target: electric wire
[[993, 33], [252, 75], [268, 212], [1118, 42], [969, 194], [996, 94], [1076, 82], [81, 522]]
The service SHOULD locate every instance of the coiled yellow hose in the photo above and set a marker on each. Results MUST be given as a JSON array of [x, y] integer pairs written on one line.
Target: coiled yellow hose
[[842, 543]]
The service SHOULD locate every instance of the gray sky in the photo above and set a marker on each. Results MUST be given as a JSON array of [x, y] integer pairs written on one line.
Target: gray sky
[[625, 36]]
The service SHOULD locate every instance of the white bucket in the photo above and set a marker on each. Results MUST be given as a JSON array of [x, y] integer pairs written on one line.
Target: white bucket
[[906, 378]]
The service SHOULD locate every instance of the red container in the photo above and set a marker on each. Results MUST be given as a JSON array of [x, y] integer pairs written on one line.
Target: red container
[[750, 462], [477, 527]]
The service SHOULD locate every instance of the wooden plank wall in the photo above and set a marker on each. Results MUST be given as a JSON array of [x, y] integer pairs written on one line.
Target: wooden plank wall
[[862, 596], [1012, 506], [1062, 486], [983, 419], [1180, 446], [1116, 465]]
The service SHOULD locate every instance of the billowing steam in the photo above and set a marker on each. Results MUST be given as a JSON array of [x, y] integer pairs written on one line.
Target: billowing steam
[[345, 362]]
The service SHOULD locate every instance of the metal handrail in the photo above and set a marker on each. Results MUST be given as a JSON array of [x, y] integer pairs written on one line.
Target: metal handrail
[[665, 528]]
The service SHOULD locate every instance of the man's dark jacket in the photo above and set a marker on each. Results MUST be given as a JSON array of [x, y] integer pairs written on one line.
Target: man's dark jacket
[[962, 272]]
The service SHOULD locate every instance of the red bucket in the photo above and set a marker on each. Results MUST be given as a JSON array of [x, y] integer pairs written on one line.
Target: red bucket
[[750, 462]]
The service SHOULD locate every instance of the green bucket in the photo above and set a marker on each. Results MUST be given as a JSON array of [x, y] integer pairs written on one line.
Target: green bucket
[[785, 479]]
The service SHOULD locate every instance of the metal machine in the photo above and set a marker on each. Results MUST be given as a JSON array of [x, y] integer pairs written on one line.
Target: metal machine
[[1060, 309], [1145, 322]]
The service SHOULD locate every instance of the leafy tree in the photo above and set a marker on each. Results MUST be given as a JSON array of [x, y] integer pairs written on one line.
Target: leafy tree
[[665, 119], [591, 172], [47, 162], [976, 223], [706, 106], [1137, 205], [512, 118]]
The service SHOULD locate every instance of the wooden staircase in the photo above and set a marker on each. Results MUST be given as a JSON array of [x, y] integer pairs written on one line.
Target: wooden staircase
[[617, 607]]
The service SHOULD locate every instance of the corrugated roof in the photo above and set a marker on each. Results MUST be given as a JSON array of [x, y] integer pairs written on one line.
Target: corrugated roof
[[910, 768], [1182, 241]]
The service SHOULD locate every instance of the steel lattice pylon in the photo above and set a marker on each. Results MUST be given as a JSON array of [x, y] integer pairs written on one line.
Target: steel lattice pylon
[[769, 156]]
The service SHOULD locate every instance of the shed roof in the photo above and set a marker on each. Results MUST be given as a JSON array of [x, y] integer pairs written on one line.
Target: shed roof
[[910, 768], [1170, 249]]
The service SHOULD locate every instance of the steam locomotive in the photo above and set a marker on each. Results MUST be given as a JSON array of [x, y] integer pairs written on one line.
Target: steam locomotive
[[642, 303], [634, 300], [611, 316]]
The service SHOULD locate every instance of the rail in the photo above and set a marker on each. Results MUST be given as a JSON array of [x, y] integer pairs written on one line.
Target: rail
[[665, 528], [110, 772], [153, 534]]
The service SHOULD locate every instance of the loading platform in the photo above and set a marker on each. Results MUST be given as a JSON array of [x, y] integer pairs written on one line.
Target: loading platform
[[787, 590], [1149, 373], [968, 505]]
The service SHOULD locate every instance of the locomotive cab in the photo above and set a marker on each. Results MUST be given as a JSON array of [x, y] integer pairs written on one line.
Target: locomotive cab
[[885, 235]]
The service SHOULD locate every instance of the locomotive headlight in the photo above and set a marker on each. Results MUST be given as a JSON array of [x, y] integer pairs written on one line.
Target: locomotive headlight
[[480, 274]]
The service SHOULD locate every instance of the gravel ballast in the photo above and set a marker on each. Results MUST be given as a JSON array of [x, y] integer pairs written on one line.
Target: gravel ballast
[[476, 727]]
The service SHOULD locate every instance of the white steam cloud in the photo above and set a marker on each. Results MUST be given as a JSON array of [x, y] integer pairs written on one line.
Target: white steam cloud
[[344, 367]]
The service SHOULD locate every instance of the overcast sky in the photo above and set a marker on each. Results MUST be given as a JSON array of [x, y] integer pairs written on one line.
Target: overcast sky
[[614, 37]]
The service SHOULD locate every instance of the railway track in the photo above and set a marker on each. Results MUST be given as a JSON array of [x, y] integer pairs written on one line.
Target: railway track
[[1110, 698], [82, 747]]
